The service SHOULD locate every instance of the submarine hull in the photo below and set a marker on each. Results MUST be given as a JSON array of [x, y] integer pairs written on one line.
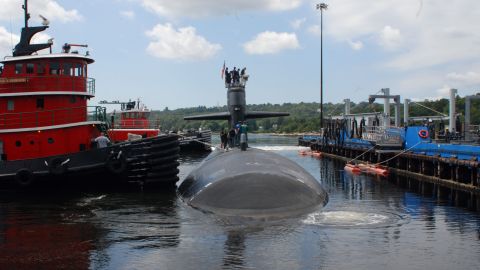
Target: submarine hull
[[252, 183]]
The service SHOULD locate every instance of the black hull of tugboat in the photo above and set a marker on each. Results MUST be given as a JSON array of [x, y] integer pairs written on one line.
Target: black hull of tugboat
[[196, 141], [146, 162]]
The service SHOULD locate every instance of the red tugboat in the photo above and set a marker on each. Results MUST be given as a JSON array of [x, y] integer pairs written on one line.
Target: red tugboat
[[47, 129], [134, 122]]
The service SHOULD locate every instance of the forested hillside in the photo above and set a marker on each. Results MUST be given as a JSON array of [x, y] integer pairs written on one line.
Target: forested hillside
[[304, 117]]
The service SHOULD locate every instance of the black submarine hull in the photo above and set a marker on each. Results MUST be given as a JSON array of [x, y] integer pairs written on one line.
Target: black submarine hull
[[252, 183]]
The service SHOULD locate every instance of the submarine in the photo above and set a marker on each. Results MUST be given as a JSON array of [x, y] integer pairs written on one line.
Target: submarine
[[249, 182]]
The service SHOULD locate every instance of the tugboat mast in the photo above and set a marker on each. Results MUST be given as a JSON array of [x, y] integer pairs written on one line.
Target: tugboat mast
[[27, 15]]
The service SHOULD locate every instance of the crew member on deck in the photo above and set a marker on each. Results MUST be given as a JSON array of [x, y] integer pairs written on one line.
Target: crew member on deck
[[244, 129], [102, 141], [231, 138], [223, 139]]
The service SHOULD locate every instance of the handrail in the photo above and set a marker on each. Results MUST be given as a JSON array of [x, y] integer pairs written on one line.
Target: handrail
[[52, 117], [137, 124], [382, 135], [47, 83]]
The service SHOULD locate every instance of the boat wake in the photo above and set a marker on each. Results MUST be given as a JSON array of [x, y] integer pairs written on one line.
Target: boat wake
[[350, 219], [282, 148], [90, 200]]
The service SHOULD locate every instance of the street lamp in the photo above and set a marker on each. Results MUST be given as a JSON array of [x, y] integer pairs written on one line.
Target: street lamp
[[321, 7]]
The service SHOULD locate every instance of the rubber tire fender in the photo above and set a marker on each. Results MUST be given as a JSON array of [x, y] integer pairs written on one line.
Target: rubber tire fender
[[55, 166], [24, 177], [116, 165]]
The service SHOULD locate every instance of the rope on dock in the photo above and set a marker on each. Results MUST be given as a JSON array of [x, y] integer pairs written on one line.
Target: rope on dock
[[406, 150], [428, 108], [361, 154]]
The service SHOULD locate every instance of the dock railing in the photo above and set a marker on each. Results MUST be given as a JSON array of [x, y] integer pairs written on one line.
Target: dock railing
[[380, 135]]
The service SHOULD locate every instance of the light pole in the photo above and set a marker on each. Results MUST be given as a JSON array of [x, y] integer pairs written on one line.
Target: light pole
[[321, 7]]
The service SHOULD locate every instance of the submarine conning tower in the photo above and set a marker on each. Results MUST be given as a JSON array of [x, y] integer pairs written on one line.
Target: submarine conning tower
[[236, 102], [237, 108]]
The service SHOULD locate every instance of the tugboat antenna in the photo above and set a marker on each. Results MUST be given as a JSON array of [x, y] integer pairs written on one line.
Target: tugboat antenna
[[27, 15]]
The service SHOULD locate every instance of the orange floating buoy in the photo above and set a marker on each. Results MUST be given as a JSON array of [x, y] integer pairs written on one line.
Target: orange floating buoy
[[380, 170], [372, 169], [363, 167], [351, 168], [303, 152]]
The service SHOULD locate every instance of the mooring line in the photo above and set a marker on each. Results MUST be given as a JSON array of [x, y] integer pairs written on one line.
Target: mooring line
[[362, 154], [406, 150]]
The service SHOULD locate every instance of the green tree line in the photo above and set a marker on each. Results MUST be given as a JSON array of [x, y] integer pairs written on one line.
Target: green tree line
[[304, 116]]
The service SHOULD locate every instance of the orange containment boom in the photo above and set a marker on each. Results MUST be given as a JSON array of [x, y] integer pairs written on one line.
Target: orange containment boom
[[371, 169], [316, 154], [352, 168]]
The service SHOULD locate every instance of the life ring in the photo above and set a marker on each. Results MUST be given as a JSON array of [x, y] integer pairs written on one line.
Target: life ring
[[24, 177], [58, 166], [116, 163], [423, 134]]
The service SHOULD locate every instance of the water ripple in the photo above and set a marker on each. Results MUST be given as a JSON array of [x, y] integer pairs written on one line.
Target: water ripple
[[353, 219]]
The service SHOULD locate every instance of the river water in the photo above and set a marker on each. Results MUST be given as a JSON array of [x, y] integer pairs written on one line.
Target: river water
[[369, 223]]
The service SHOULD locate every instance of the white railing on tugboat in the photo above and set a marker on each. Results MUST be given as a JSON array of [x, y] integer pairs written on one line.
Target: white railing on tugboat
[[137, 124], [52, 117], [47, 83]]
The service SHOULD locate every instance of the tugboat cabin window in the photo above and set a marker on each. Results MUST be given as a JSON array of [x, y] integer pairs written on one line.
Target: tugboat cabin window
[[67, 67], [54, 68], [40, 68], [30, 67], [10, 105], [18, 68], [40, 103], [78, 70]]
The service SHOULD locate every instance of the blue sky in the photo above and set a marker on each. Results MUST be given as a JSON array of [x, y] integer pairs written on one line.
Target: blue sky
[[169, 53]]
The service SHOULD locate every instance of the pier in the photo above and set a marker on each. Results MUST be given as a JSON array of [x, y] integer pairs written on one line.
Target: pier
[[442, 164]]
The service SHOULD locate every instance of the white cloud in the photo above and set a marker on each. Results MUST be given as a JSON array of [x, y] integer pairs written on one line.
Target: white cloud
[[444, 91], [182, 44], [296, 24], [469, 77], [7, 40], [425, 33], [440, 93], [390, 38], [271, 43], [314, 30], [127, 14], [12, 9], [196, 8], [356, 45]]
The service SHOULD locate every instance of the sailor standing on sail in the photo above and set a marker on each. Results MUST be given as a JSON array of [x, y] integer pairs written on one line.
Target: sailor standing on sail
[[228, 77]]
